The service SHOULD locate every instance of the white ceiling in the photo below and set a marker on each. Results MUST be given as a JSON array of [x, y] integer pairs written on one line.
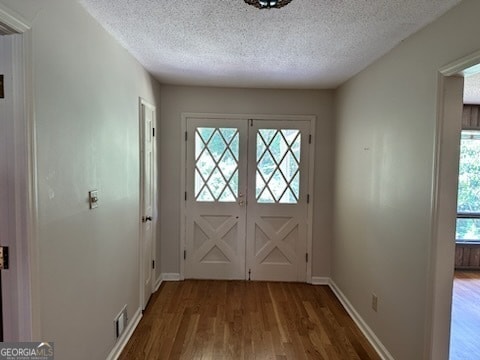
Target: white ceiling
[[307, 44], [471, 93]]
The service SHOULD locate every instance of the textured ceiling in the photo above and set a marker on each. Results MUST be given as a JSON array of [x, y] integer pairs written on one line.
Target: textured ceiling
[[307, 44], [471, 93]]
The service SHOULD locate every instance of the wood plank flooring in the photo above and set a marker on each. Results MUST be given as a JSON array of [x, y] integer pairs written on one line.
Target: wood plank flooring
[[197, 319], [464, 338]]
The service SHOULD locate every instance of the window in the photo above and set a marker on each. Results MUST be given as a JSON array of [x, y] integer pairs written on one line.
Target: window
[[468, 199], [278, 166], [216, 164]]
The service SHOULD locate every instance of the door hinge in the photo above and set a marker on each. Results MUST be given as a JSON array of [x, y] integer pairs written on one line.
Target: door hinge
[[4, 263], [2, 89], [185, 196], [184, 254], [153, 132], [251, 122], [153, 264], [310, 138], [306, 257], [308, 198], [186, 136]]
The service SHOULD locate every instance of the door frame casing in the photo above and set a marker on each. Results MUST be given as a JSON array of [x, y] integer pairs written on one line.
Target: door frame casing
[[443, 206], [222, 116], [144, 103], [26, 311]]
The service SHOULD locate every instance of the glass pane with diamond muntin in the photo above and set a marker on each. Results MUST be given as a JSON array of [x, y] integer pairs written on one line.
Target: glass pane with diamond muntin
[[216, 164], [278, 166]]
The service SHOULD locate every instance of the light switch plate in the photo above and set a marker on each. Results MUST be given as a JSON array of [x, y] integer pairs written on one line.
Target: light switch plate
[[93, 199]]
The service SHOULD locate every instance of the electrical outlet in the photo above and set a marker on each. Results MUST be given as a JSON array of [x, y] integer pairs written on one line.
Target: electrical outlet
[[374, 302]]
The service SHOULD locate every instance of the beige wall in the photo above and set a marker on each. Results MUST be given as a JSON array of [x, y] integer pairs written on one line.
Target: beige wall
[[178, 99], [86, 109], [86, 90], [386, 125]]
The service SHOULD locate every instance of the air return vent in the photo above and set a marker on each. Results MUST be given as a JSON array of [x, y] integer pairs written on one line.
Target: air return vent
[[121, 322]]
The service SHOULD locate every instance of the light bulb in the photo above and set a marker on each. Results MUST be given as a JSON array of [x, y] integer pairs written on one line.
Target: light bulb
[[268, 3]]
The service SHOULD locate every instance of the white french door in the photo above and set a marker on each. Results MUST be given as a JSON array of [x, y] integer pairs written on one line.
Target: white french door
[[215, 208], [246, 199], [276, 244]]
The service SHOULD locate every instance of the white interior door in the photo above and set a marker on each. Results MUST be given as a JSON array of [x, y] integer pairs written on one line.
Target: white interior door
[[215, 199], [277, 200], [246, 199], [147, 125]]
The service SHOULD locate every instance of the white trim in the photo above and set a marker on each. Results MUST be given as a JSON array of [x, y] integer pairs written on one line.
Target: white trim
[[13, 20], [459, 66], [25, 193], [440, 276], [319, 280], [26, 197], [166, 277], [183, 171], [155, 215], [311, 192], [32, 215], [187, 115], [127, 334], [443, 209], [171, 277], [311, 118], [364, 328], [22, 190], [140, 207], [158, 283]]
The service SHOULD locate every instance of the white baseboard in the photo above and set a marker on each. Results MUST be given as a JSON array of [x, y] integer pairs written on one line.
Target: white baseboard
[[120, 344], [171, 277], [166, 277], [364, 328], [319, 280], [158, 283]]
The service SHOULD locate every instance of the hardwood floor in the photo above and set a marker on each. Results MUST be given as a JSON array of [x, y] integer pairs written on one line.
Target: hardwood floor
[[246, 320], [464, 338]]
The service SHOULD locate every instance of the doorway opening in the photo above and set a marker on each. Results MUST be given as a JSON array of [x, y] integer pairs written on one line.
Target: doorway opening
[[444, 205], [465, 319]]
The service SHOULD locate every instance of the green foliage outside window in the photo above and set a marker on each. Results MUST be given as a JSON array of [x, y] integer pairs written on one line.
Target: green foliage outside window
[[469, 186]]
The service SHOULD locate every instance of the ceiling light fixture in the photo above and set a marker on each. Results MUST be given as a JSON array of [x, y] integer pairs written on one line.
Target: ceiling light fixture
[[268, 4]]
